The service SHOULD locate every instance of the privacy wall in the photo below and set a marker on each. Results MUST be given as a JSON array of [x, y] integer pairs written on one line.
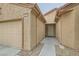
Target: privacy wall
[[18, 25], [67, 27]]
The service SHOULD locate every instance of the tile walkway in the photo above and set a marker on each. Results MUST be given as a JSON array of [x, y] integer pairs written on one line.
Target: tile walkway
[[49, 47]]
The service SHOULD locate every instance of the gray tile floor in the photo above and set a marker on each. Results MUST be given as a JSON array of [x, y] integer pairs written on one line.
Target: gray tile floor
[[49, 47]]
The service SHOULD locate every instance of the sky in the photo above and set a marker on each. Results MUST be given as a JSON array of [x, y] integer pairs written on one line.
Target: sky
[[45, 7]]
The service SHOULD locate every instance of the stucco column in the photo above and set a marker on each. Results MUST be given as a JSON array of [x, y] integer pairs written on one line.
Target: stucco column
[[27, 30]]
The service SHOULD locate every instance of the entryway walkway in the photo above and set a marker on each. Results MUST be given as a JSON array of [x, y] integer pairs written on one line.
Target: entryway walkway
[[49, 47], [8, 51]]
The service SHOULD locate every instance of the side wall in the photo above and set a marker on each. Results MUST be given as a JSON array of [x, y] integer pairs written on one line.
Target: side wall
[[29, 23], [33, 30], [58, 30], [37, 30], [40, 30], [77, 27], [67, 34], [68, 29], [14, 12], [27, 30]]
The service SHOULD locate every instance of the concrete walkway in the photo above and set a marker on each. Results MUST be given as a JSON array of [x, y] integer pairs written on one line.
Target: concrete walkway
[[47, 50], [8, 51], [49, 47]]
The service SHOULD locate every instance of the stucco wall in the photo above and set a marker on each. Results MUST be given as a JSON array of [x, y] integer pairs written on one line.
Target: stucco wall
[[11, 11], [27, 31], [33, 30], [37, 30], [40, 30], [11, 34], [14, 12], [29, 23], [50, 17], [68, 29], [77, 27], [66, 35], [58, 30]]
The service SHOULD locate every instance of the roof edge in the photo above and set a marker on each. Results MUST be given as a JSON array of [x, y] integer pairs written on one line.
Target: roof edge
[[32, 6], [63, 7], [50, 11], [37, 7]]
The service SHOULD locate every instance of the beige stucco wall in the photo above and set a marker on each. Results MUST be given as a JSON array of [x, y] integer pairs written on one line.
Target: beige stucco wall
[[40, 30], [67, 33], [68, 29], [77, 27], [27, 31], [37, 30], [50, 17], [27, 25], [11, 34], [14, 12], [33, 30], [58, 30], [11, 11]]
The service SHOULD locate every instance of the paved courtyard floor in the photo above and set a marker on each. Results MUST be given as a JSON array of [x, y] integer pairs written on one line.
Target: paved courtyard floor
[[49, 47], [8, 51]]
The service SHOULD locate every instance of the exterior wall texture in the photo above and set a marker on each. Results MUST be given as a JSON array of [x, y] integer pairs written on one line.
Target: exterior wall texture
[[40, 33], [9, 14], [26, 26], [27, 31], [58, 30], [77, 27], [69, 32], [33, 30], [37, 30], [10, 11], [68, 29], [11, 34]]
